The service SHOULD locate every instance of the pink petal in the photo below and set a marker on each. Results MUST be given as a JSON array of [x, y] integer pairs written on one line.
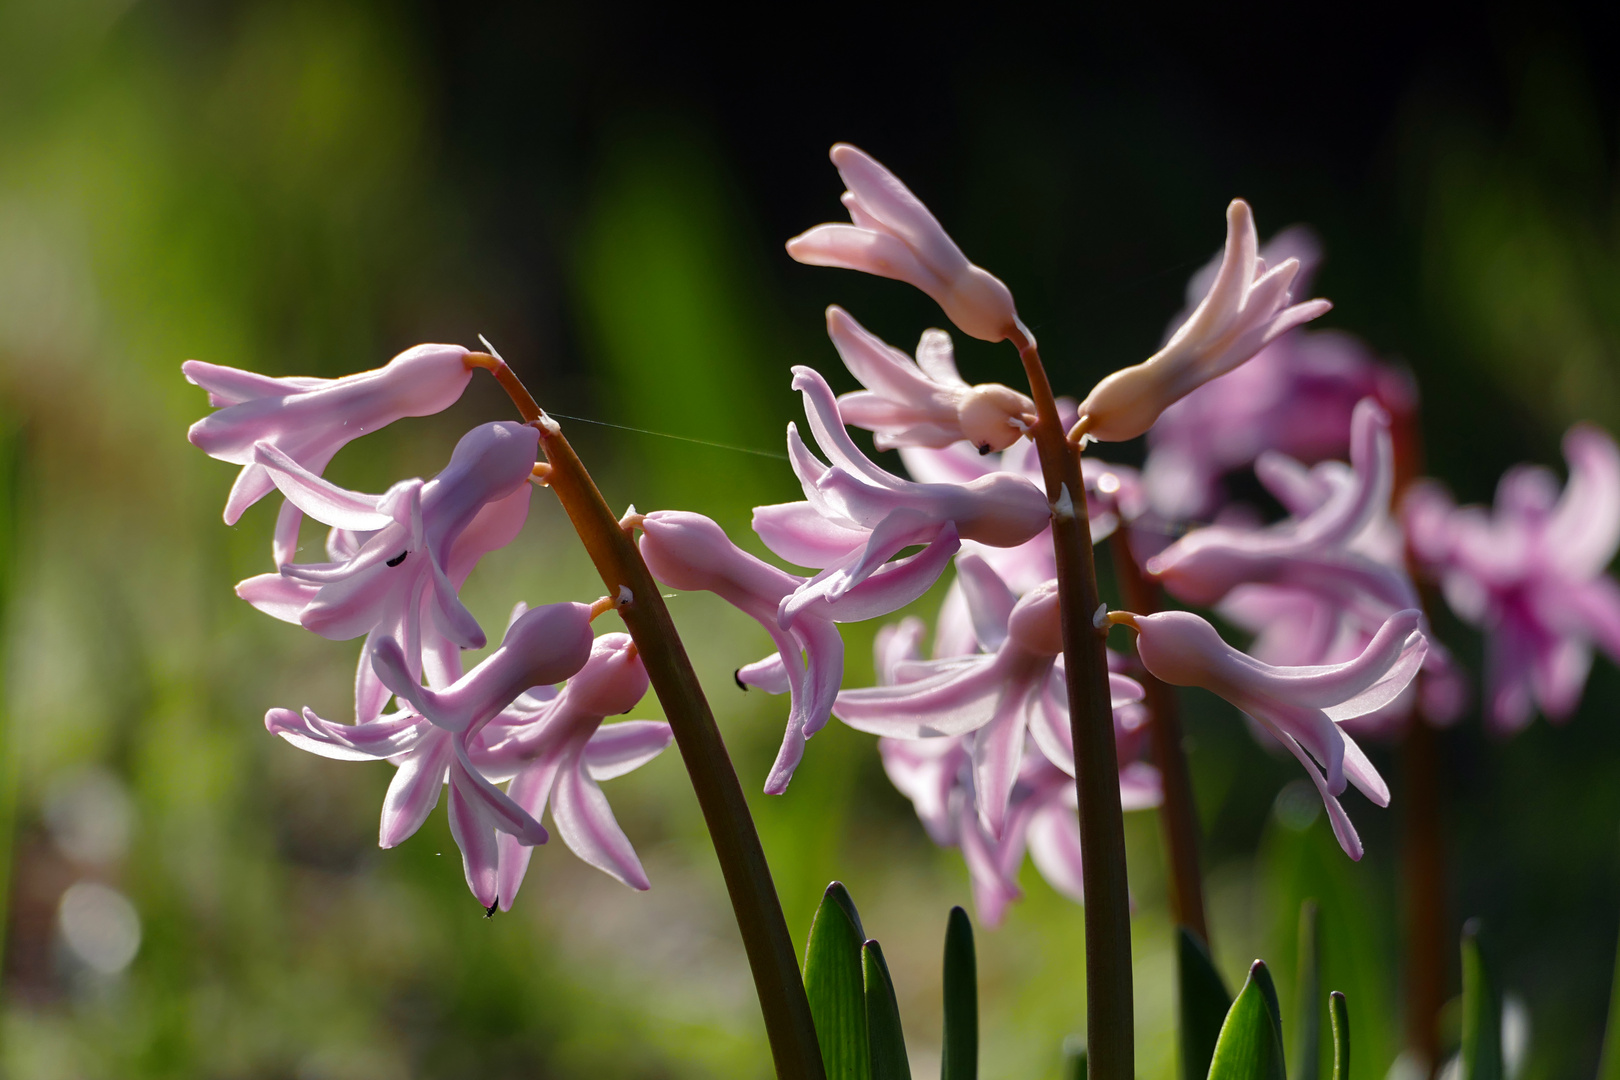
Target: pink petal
[[319, 498], [414, 791], [587, 826], [277, 596], [616, 749]]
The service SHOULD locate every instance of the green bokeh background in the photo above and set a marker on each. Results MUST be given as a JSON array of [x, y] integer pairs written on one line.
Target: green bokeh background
[[307, 188]]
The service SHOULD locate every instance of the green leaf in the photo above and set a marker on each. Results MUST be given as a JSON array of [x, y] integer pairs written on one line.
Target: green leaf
[[1482, 1012], [1339, 1013], [1307, 997], [836, 987], [960, 1050], [887, 1043], [1074, 1058], [1250, 1045], [1609, 1066], [1203, 1001]]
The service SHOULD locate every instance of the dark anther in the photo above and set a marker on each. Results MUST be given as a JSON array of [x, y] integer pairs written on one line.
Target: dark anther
[[984, 449], [397, 559], [489, 912], [737, 675]]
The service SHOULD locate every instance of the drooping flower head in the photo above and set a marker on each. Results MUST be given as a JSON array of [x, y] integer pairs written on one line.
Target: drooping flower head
[[1248, 305], [428, 737], [1531, 572], [310, 420], [394, 562], [1301, 706], [922, 402], [893, 235]]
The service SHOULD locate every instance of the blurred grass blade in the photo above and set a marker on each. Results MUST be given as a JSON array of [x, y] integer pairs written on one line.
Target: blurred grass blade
[[1609, 1066], [835, 986], [887, 1043], [1482, 1012], [1250, 1045], [1203, 1002], [1307, 998], [1340, 1015], [1074, 1058], [959, 1058], [12, 455]]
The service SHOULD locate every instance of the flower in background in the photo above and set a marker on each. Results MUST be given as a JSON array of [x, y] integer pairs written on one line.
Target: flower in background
[[922, 402], [1300, 706], [428, 738], [310, 420], [1530, 571], [1247, 306], [893, 235]]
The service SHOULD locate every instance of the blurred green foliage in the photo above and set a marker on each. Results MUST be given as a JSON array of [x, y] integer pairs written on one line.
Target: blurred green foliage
[[304, 188]]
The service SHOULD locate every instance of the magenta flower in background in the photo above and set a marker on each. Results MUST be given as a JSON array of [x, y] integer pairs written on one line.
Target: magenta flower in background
[[394, 555], [690, 552], [1530, 572], [1247, 306], [858, 516], [893, 235], [428, 738], [310, 420], [1300, 706], [922, 402], [557, 750]]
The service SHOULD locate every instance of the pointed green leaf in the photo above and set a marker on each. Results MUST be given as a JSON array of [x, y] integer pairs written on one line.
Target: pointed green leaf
[[1339, 1013], [836, 988], [1307, 998], [1609, 1066], [1202, 1000], [1482, 1012], [1074, 1058], [960, 1051], [886, 1043], [1250, 1046]]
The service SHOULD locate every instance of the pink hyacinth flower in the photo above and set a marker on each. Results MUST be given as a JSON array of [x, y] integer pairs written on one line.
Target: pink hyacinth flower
[[310, 420], [858, 516], [690, 552], [1300, 706], [556, 751], [1002, 695], [402, 555], [430, 744], [1530, 571], [893, 235], [1247, 306], [922, 402], [1322, 551]]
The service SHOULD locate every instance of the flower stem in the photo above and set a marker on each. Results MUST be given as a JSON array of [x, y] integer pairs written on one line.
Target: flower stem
[[736, 843], [1178, 815], [1109, 1007]]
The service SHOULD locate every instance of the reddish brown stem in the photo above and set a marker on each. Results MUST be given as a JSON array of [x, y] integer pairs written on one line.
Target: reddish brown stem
[[1178, 814], [736, 842], [1110, 1039]]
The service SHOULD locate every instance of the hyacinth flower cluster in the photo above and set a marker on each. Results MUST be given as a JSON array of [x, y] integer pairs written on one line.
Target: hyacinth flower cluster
[[1018, 731]]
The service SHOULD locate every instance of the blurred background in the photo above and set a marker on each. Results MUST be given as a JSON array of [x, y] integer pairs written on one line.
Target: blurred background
[[310, 187]]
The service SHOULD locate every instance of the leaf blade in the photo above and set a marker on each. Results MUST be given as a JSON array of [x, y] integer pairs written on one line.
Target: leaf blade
[[959, 1059], [1482, 1011], [1202, 1003], [1339, 1014], [1250, 1045], [885, 1041], [835, 985], [1307, 1062]]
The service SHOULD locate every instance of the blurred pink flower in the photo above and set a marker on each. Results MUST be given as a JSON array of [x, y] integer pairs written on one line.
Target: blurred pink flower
[[1300, 706], [893, 235], [858, 516], [1530, 571], [690, 552], [401, 555], [1247, 306], [922, 402], [310, 420]]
